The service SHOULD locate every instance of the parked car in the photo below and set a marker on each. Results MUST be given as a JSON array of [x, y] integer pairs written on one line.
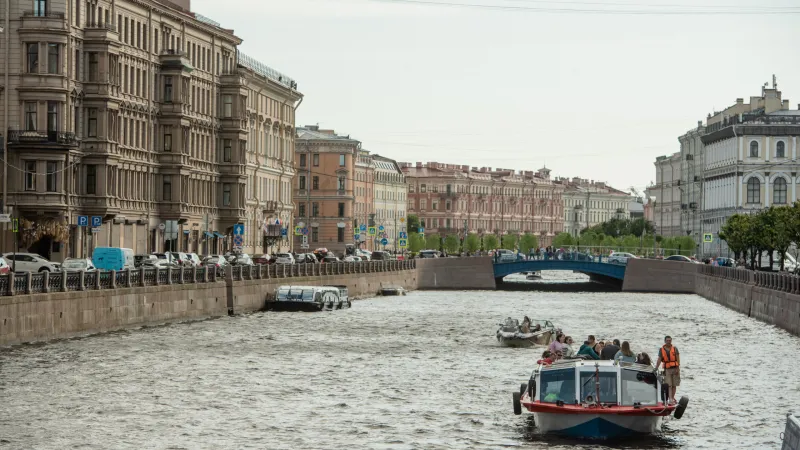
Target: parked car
[[4, 268], [194, 259], [78, 264], [428, 254], [620, 257], [242, 259], [306, 258], [330, 258], [364, 254], [162, 264], [263, 259], [217, 261], [139, 260], [679, 258], [28, 262], [182, 259], [379, 255], [284, 258], [726, 262], [505, 255], [113, 258], [351, 258]]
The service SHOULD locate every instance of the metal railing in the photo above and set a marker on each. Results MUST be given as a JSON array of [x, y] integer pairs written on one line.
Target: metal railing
[[46, 282], [779, 281], [40, 137]]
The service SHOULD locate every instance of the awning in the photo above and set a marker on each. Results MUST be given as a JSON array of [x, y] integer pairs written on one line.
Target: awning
[[209, 234], [219, 235]]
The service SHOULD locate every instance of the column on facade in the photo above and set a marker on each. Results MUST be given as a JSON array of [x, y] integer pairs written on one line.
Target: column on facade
[[741, 191], [766, 191]]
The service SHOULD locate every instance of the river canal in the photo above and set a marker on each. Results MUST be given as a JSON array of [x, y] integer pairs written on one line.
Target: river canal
[[417, 372]]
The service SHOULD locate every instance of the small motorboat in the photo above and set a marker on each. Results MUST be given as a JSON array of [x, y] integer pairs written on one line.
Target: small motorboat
[[310, 298], [393, 290], [596, 399], [510, 334], [533, 276]]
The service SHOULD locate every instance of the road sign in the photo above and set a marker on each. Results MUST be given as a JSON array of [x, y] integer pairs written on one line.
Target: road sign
[[363, 228], [298, 230], [162, 226], [96, 230], [372, 231], [97, 221], [305, 242], [402, 219], [403, 235], [284, 232], [238, 229], [357, 237], [420, 230], [381, 228], [83, 221], [238, 240], [384, 241], [708, 237], [304, 231], [15, 225], [402, 243]]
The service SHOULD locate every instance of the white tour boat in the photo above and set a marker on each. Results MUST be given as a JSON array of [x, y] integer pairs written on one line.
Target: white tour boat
[[310, 298], [595, 399]]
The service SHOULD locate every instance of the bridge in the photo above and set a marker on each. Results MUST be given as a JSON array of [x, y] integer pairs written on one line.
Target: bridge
[[596, 268]]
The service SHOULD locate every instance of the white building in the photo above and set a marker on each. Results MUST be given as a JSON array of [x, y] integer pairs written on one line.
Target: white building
[[589, 203], [691, 189], [666, 195], [389, 196]]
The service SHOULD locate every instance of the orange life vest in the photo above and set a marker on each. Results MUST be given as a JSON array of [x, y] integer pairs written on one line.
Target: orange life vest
[[670, 359]]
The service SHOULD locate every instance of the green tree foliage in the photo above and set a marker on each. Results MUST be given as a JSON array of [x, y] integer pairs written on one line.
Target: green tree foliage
[[770, 230], [412, 223], [621, 227], [415, 242], [433, 241], [452, 243], [490, 242], [509, 241], [563, 240], [472, 243], [528, 242]]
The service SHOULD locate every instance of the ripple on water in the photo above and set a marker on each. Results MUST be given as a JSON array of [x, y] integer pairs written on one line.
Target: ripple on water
[[416, 372]]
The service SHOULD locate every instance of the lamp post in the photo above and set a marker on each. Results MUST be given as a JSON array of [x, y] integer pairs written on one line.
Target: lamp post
[[6, 92]]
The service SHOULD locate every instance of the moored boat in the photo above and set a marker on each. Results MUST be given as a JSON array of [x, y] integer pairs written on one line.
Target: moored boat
[[533, 276], [596, 399], [393, 290], [309, 298], [510, 334]]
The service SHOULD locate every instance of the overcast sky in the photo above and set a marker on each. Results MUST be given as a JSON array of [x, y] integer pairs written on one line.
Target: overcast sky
[[592, 95]]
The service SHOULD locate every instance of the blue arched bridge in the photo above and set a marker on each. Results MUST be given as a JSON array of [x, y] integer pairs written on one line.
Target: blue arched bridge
[[576, 262]]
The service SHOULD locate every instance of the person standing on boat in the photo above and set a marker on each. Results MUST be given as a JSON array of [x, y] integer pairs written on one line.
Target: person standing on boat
[[669, 356], [610, 350]]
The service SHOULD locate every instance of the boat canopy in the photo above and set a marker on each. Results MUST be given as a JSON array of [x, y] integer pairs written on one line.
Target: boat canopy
[[610, 382]]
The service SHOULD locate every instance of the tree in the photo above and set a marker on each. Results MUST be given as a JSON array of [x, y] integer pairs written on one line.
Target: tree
[[451, 243], [509, 241], [563, 240], [472, 243], [412, 223], [528, 242], [416, 242], [433, 242], [490, 242], [630, 243]]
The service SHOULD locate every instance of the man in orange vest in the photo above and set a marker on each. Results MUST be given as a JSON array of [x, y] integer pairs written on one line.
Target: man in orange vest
[[669, 356]]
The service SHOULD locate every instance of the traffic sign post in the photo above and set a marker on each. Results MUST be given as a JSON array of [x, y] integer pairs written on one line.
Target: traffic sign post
[[372, 231], [403, 243], [83, 221], [708, 238], [238, 229], [97, 221], [298, 230], [304, 244], [381, 228], [384, 242], [420, 230], [357, 237]]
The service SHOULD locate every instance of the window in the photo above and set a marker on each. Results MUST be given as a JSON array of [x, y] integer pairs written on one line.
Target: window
[[301, 210], [754, 149], [753, 190], [166, 193], [167, 89], [52, 116], [779, 191], [227, 145], [167, 142], [91, 179], [315, 182], [608, 386], [447, 206], [341, 182], [341, 211], [92, 114], [315, 209], [423, 188], [557, 385], [52, 58], [51, 176], [780, 150], [340, 235], [638, 387], [302, 160], [316, 160], [39, 8], [33, 57], [341, 160], [314, 234], [30, 116], [94, 67], [30, 175], [227, 106], [302, 185], [434, 205], [226, 194]]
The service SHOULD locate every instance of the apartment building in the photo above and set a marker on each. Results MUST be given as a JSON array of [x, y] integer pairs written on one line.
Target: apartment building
[[588, 203], [389, 199], [452, 199], [145, 114], [666, 195], [692, 157]]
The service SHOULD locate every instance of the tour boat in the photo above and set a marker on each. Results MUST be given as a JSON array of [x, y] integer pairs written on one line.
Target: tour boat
[[393, 290], [596, 399], [309, 298], [541, 332], [533, 276]]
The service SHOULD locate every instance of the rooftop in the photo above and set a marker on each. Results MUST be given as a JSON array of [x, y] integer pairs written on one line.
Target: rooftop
[[313, 132], [264, 70]]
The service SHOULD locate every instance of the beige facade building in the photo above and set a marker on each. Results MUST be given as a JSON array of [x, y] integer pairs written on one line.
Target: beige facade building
[[145, 114], [452, 199], [666, 195], [588, 203]]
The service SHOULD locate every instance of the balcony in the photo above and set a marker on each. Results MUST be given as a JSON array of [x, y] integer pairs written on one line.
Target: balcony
[[38, 21], [270, 206], [272, 231], [172, 59], [23, 138], [101, 32]]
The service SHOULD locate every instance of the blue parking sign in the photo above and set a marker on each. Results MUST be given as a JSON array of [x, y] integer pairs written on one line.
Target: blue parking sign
[[97, 221], [358, 237], [363, 228], [83, 221]]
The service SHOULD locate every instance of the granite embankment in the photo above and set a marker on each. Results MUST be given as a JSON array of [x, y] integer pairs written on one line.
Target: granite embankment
[[45, 308], [773, 298]]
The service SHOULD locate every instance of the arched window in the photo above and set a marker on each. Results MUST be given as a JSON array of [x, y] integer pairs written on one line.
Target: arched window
[[779, 191], [753, 190], [780, 150], [754, 149]]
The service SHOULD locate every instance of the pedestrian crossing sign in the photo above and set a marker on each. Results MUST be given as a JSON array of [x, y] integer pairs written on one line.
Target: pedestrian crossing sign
[[402, 243], [708, 238], [372, 231], [298, 230]]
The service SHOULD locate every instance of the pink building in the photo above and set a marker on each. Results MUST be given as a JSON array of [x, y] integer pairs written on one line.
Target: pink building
[[450, 199]]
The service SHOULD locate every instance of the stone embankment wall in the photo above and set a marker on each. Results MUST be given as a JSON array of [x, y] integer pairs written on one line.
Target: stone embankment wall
[[769, 297], [456, 273]]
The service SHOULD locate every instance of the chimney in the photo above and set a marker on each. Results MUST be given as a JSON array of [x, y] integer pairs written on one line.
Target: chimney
[[699, 124], [785, 105], [740, 101], [419, 165]]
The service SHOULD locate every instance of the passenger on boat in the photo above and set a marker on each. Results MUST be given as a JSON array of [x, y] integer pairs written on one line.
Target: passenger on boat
[[546, 358], [599, 347], [610, 350], [567, 351], [586, 349], [557, 345], [669, 356], [526, 325], [644, 359], [625, 354]]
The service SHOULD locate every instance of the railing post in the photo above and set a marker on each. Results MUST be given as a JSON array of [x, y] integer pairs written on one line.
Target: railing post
[[97, 280], [156, 280], [142, 281], [81, 280], [46, 281], [113, 279], [64, 282], [194, 274], [28, 288], [182, 272], [128, 277]]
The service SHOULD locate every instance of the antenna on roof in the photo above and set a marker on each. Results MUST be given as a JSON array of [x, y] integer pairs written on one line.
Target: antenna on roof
[[774, 82]]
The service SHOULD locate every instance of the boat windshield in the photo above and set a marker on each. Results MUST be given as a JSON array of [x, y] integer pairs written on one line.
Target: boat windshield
[[639, 387], [608, 386], [305, 295], [557, 385], [511, 325]]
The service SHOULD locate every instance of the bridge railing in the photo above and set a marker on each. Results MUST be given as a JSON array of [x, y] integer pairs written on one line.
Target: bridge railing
[[45, 282], [559, 256]]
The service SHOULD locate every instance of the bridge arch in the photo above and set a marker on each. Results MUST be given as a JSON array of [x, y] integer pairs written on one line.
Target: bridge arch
[[616, 271]]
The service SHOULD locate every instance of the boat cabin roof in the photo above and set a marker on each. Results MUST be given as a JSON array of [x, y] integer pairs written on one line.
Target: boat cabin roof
[[592, 363], [286, 288]]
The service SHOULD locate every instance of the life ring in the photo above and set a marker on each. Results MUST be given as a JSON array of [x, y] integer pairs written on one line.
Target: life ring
[[682, 404], [517, 398]]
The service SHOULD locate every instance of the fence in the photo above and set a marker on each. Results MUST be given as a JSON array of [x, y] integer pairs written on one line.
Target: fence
[[779, 281], [44, 282]]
